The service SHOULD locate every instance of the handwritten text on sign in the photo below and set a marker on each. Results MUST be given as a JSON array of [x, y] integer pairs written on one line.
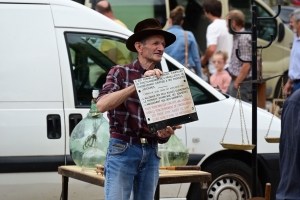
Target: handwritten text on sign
[[166, 97]]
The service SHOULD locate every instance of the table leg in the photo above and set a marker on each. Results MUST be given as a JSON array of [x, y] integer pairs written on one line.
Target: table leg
[[203, 187], [156, 196], [65, 181]]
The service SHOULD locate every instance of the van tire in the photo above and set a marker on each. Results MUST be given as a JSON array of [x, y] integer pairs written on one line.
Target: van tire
[[230, 178]]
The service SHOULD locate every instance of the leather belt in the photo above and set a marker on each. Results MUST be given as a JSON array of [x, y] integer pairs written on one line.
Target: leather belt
[[296, 81], [133, 140]]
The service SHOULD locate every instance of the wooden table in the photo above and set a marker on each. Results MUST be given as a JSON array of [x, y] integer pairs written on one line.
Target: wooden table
[[167, 177]]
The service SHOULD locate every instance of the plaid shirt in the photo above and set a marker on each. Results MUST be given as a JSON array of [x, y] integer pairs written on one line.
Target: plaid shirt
[[242, 42], [128, 118]]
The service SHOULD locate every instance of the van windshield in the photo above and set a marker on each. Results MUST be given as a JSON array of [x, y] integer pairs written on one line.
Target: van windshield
[[265, 28], [199, 94]]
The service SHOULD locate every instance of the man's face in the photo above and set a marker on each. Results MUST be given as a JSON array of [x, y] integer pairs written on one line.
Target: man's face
[[153, 48], [297, 27], [292, 23]]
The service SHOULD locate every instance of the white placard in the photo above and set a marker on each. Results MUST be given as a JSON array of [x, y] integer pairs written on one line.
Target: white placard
[[165, 98]]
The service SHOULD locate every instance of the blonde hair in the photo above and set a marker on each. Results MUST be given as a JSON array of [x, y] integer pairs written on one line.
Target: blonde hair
[[222, 53], [177, 15]]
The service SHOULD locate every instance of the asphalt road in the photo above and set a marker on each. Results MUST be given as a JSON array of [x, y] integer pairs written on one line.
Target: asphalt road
[[45, 186]]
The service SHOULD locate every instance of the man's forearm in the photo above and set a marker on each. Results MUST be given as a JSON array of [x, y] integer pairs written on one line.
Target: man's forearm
[[208, 54], [112, 100], [287, 90], [243, 73]]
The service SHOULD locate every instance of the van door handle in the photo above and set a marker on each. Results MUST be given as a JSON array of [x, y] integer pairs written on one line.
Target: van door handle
[[74, 119], [53, 126]]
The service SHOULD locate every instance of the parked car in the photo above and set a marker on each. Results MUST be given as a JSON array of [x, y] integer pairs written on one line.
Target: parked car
[[51, 61], [296, 2]]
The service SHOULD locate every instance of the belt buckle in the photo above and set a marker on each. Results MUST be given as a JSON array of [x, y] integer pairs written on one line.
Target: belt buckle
[[144, 141]]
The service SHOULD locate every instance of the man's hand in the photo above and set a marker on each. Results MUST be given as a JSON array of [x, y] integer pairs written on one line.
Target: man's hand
[[287, 90], [153, 72], [165, 133], [242, 74], [208, 54], [236, 84], [203, 63]]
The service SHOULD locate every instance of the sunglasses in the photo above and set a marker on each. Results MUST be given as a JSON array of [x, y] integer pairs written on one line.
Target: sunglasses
[[218, 61]]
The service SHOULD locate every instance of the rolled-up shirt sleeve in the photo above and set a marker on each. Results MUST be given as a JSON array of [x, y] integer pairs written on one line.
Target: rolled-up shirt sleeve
[[212, 34]]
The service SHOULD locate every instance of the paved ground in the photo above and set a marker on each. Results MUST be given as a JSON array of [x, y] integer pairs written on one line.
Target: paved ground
[[28, 186]]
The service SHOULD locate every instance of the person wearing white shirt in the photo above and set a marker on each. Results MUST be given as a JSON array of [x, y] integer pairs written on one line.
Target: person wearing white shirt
[[217, 36]]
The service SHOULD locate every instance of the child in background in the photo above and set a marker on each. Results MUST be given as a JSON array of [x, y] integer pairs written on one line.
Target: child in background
[[221, 78]]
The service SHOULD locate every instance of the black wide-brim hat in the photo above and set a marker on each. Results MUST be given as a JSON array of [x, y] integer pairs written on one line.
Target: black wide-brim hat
[[146, 28]]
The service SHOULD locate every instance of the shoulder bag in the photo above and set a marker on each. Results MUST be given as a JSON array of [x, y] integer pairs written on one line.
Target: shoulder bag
[[187, 54]]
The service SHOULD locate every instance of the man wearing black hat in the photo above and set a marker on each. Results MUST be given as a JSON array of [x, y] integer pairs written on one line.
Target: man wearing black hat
[[132, 163]]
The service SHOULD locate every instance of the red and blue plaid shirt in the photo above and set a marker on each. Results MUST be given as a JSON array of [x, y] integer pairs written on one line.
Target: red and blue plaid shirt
[[128, 118]]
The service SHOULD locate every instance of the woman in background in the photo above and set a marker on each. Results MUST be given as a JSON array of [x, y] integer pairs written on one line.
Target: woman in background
[[178, 49]]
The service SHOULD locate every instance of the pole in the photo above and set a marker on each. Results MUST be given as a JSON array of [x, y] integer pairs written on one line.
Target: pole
[[253, 33], [254, 99]]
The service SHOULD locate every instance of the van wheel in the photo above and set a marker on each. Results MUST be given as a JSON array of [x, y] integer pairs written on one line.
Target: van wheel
[[231, 179]]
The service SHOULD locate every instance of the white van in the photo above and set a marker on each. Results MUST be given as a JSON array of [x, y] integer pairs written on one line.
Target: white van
[[53, 54]]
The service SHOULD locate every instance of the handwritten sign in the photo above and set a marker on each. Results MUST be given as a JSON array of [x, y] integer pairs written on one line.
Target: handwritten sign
[[166, 101]]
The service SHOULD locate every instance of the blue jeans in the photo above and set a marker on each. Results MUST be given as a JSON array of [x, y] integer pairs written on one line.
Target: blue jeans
[[199, 71], [196, 70], [245, 90], [129, 168]]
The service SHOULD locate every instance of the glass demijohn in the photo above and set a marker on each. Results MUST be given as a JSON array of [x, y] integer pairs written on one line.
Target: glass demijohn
[[163, 154], [89, 139], [178, 153]]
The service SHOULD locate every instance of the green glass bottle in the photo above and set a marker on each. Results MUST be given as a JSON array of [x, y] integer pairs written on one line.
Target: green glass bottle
[[90, 135], [178, 153]]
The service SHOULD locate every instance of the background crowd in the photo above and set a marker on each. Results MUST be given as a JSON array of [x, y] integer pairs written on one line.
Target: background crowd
[[218, 64]]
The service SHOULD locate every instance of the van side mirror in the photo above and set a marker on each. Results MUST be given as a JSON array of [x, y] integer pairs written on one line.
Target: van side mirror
[[281, 32]]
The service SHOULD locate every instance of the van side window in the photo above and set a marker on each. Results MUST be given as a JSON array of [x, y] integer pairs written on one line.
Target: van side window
[[91, 57], [199, 94], [265, 28], [244, 7]]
